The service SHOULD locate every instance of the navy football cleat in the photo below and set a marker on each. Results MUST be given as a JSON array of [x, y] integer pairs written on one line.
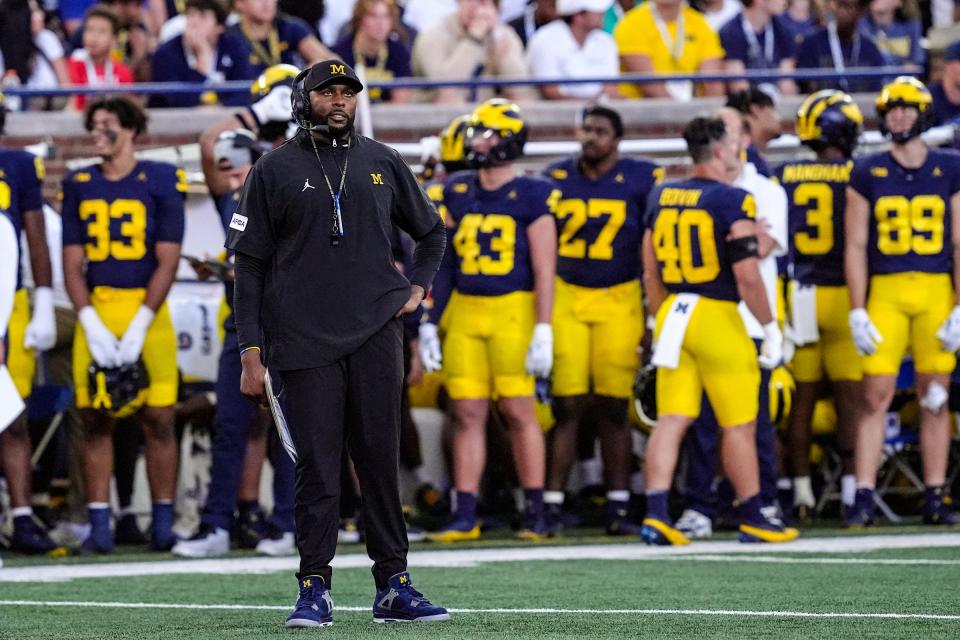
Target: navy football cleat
[[314, 606], [939, 510], [400, 602]]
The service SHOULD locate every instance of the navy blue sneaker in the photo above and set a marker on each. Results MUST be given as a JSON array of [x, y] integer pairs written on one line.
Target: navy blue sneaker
[[939, 509], [618, 520], [860, 515], [314, 606], [29, 537], [400, 602]]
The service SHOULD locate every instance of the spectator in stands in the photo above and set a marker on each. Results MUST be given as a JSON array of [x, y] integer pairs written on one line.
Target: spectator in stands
[[801, 17], [758, 39], [719, 12], [616, 12], [93, 64], [895, 28], [134, 39], [471, 42], [946, 93], [575, 46], [72, 12], [422, 14], [763, 121], [203, 53], [158, 12], [668, 37], [537, 14], [312, 12], [839, 46], [375, 42], [43, 64], [273, 38]]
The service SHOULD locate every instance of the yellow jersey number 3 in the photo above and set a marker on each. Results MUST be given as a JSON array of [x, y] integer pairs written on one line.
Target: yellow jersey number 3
[[98, 214], [502, 230]]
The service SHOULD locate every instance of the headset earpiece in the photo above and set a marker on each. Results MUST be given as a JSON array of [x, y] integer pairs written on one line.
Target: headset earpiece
[[300, 100]]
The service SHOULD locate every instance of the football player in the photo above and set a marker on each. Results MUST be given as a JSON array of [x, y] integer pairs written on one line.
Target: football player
[[829, 122], [598, 314], [771, 229], [123, 224], [903, 246], [21, 200], [497, 323], [238, 420], [700, 251]]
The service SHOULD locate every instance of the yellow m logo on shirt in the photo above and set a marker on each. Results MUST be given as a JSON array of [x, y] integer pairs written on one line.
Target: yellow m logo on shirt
[[338, 68], [377, 178]]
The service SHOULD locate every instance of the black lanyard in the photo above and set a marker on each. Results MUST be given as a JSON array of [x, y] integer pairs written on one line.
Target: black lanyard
[[336, 228]]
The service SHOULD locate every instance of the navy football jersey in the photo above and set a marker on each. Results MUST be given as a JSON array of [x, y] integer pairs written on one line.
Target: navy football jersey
[[119, 222], [21, 189], [490, 237], [690, 221], [816, 197], [600, 222], [909, 211]]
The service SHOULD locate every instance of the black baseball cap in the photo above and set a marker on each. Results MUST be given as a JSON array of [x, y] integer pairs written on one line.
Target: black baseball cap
[[330, 72]]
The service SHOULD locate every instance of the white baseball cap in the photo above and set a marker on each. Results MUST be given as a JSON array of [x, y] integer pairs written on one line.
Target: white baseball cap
[[573, 7]]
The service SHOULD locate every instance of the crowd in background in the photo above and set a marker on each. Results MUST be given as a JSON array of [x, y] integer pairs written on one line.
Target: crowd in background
[[51, 43]]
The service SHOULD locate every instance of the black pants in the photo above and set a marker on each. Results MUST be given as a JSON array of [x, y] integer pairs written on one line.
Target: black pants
[[356, 401]]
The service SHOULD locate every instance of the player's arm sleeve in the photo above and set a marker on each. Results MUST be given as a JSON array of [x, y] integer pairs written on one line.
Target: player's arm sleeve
[[71, 227], [34, 171], [170, 208], [444, 282], [650, 211], [251, 228], [860, 179], [545, 203], [247, 298], [414, 213]]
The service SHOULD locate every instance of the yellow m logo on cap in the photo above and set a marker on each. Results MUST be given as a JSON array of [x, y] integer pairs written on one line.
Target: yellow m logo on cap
[[338, 68], [377, 178]]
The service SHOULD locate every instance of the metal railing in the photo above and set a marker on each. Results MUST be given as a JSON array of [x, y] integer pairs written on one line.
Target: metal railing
[[243, 86]]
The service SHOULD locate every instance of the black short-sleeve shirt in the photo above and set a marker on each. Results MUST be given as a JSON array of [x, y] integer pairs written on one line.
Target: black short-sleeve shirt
[[320, 301]]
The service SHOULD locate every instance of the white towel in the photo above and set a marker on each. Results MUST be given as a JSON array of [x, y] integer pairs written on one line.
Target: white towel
[[670, 341], [803, 309], [11, 406]]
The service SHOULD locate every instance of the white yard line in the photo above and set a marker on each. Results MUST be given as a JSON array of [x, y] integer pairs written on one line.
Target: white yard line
[[740, 558], [530, 611], [452, 557]]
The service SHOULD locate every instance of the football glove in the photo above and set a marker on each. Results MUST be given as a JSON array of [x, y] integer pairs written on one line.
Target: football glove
[[540, 354], [949, 331], [771, 350], [104, 347], [131, 344], [273, 107], [865, 334], [430, 353], [42, 331]]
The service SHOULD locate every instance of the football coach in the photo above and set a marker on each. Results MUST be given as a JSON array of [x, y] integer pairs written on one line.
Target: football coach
[[318, 301]]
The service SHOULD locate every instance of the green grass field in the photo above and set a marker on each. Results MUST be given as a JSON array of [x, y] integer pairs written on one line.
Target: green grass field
[[890, 586]]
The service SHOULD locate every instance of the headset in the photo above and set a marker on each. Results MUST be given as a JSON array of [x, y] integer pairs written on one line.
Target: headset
[[300, 101]]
